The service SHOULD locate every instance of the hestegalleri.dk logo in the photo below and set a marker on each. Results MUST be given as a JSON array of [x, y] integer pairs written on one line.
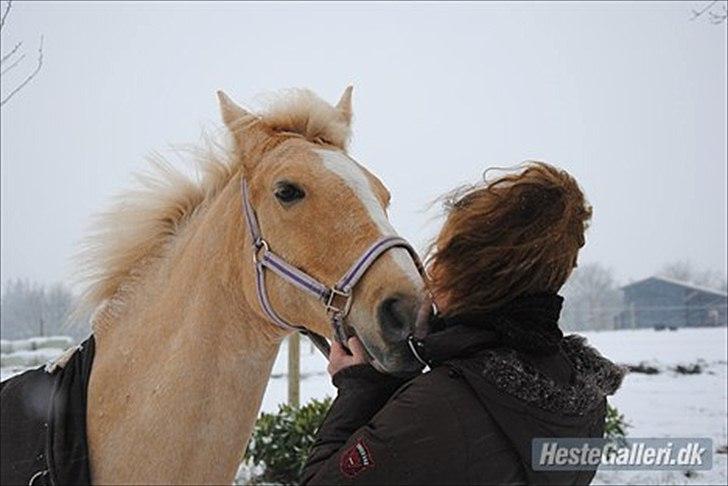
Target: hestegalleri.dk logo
[[581, 454]]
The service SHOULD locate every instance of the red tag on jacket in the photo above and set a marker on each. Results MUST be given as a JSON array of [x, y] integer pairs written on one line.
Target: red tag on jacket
[[356, 459]]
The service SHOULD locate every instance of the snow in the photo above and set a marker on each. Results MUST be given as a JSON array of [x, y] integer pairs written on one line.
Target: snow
[[61, 342], [668, 347], [29, 358], [315, 382], [667, 404], [6, 346], [34, 343], [21, 354]]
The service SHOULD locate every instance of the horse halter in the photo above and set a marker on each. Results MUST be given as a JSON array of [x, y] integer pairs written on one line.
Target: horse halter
[[336, 299]]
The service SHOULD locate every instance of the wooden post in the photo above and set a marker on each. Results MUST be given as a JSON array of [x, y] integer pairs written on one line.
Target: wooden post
[[294, 369]]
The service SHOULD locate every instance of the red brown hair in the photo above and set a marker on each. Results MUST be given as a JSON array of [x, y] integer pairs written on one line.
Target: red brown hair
[[518, 234]]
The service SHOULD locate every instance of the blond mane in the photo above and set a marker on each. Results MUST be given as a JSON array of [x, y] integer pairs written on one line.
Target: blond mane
[[143, 221]]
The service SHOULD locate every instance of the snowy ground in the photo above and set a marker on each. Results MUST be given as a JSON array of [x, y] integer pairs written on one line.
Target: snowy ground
[[667, 404], [670, 404], [315, 382], [21, 354]]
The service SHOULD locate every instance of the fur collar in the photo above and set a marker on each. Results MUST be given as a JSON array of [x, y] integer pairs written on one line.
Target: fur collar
[[594, 377]]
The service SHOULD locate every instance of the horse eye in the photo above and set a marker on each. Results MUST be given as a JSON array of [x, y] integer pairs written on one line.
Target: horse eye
[[287, 192]]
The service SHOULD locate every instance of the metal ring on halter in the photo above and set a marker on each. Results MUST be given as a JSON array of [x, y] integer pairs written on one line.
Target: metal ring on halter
[[413, 345], [38, 475], [333, 294], [260, 245]]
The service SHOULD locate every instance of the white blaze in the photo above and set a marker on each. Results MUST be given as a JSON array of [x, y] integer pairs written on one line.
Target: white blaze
[[354, 177]]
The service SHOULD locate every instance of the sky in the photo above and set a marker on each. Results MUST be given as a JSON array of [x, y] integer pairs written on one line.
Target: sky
[[628, 97]]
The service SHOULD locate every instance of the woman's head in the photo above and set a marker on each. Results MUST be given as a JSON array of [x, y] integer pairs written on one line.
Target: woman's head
[[518, 234]]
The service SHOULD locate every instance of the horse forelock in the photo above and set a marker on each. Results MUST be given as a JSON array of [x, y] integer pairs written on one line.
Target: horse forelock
[[300, 112]]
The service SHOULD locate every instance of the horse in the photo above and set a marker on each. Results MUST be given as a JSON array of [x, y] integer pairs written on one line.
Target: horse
[[184, 347]]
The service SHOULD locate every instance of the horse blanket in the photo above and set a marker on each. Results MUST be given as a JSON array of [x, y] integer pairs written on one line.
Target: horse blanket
[[43, 423]]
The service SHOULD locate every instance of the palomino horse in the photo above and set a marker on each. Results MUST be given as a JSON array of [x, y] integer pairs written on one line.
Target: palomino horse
[[183, 349]]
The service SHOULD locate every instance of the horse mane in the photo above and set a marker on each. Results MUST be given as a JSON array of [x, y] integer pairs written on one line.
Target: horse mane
[[141, 223]]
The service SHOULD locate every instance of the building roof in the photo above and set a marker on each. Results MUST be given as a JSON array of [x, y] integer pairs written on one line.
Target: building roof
[[679, 283]]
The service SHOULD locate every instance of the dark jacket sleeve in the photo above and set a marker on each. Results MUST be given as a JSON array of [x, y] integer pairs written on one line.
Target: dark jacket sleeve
[[363, 391], [406, 442]]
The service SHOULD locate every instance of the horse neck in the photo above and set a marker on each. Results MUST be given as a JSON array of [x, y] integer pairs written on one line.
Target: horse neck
[[179, 377]]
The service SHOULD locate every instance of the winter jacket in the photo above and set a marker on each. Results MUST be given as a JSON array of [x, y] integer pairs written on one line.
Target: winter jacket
[[469, 420]]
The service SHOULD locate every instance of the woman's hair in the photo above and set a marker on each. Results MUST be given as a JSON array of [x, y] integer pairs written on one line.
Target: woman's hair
[[518, 234]]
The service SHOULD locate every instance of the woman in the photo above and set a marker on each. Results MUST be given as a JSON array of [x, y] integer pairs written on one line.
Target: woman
[[501, 371]]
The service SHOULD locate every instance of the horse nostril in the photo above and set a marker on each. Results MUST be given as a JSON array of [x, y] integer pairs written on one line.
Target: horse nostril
[[397, 316]]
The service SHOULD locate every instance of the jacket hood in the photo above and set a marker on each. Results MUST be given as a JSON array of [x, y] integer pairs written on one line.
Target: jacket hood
[[563, 395], [593, 377]]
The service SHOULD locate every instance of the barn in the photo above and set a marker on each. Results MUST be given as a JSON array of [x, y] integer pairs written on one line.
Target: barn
[[661, 302]]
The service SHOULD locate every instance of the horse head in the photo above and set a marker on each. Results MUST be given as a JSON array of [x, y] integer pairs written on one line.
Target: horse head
[[320, 209]]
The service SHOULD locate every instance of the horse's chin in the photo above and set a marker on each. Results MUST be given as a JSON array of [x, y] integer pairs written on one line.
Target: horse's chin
[[378, 366], [409, 371], [397, 360]]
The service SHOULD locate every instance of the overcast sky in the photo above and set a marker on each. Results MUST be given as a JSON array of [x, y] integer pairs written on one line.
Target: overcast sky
[[629, 97]]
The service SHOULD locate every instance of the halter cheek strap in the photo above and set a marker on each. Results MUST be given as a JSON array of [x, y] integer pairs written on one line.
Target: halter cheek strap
[[336, 299]]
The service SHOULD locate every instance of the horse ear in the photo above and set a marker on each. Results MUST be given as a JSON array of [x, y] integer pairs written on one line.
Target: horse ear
[[344, 104], [242, 124], [231, 112]]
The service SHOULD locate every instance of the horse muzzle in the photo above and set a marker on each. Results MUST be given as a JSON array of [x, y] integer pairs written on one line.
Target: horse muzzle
[[396, 315]]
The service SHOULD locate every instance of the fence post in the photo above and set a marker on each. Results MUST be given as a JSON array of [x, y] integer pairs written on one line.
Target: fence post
[[294, 369]]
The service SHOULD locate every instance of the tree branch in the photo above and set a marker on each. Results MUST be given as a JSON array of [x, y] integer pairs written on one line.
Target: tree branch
[[12, 65], [5, 14], [29, 78], [715, 18], [719, 18], [12, 51], [698, 13]]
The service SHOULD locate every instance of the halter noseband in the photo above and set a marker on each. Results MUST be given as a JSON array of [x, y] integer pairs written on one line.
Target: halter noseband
[[336, 299]]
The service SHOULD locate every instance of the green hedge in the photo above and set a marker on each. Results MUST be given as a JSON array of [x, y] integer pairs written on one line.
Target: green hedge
[[616, 426], [281, 441]]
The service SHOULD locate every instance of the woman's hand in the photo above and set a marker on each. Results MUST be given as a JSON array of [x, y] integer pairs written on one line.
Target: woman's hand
[[339, 358]]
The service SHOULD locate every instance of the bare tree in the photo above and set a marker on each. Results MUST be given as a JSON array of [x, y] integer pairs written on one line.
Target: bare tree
[[22, 309], [679, 270], [592, 298], [715, 11], [686, 271], [13, 59], [30, 309], [58, 303]]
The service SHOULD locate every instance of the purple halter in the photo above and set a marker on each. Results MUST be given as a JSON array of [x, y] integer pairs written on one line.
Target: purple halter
[[337, 299]]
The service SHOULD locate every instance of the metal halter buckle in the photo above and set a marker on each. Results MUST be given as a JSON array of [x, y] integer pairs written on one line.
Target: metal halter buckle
[[330, 305], [260, 246]]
